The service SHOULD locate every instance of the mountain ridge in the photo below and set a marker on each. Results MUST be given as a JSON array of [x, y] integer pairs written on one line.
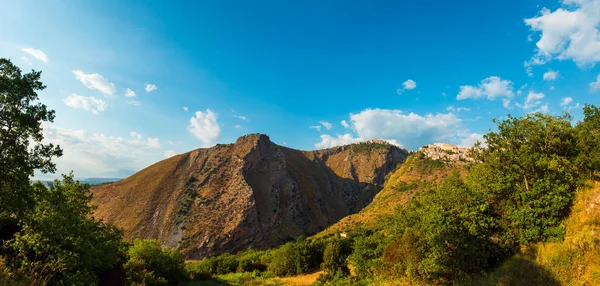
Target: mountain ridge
[[251, 193]]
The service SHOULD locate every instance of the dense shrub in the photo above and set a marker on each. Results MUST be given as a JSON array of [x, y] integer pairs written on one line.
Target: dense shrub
[[250, 261], [445, 234], [335, 255], [151, 264], [296, 258], [366, 254]]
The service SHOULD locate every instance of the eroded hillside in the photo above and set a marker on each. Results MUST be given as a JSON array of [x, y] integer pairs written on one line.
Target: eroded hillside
[[250, 193]]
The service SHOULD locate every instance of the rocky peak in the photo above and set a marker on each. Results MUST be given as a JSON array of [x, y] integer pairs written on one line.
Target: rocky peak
[[253, 139]]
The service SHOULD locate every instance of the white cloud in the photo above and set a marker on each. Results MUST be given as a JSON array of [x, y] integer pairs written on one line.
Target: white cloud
[[326, 124], [570, 32], [205, 127], [467, 91], [544, 109], [153, 143], [532, 100], [241, 117], [88, 103], [170, 153], [328, 141], [318, 127], [394, 124], [491, 87], [345, 123], [129, 93], [38, 54], [402, 129], [135, 135], [576, 106], [95, 81], [134, 102], [533, 96], [506, 103], [237, 126], [185, 108], [470, 140], [137, 139], [552, 88], [150, 87], [550, 75], [409, 84], [457, 109], [566, 101], [97, 154], [596, 84]]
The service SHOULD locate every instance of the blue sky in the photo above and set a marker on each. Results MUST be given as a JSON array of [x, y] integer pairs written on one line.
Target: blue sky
[[307, 73]]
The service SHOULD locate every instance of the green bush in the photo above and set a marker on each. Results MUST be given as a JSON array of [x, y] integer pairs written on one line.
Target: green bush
[[366, 254], [296, 258], [250, 261], [151, 264], [444, 235], [335, 255]]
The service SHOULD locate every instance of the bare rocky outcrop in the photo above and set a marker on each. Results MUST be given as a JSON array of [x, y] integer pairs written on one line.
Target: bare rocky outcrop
[[249, 193]]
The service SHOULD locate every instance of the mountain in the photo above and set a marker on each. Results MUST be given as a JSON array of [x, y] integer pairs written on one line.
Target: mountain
[[252, 193]]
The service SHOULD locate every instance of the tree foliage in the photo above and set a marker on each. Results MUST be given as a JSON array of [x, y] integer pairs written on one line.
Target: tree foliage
[[588, 135], [61, 241], [335, 256], [529, 176], [150, 264], [21, 150], [444, 234]]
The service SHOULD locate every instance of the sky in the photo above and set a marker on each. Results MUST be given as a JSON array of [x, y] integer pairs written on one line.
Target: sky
[[135, 82]]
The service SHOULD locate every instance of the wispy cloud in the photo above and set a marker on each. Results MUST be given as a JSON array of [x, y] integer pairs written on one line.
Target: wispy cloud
[[87, 103], [150, 87], [37, 54], [95, 81]]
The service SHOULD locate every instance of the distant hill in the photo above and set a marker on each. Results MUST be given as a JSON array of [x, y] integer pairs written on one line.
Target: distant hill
[[91, 181], [250, 193]]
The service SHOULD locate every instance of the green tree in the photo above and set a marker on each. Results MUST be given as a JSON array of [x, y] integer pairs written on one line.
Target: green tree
[[335, 255], [444, 235], [21, 150], [588, 135], [529, 176], [366, 253], [151, 264], [60, 241]]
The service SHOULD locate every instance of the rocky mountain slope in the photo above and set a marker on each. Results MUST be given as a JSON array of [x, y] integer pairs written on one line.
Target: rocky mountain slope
[[252, 193]]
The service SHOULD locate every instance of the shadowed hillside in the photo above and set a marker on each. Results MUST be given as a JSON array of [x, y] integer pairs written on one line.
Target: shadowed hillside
[[252, 193]]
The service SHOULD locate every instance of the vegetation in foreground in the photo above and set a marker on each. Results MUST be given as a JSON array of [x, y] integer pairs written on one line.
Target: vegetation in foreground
[[504, 222]]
